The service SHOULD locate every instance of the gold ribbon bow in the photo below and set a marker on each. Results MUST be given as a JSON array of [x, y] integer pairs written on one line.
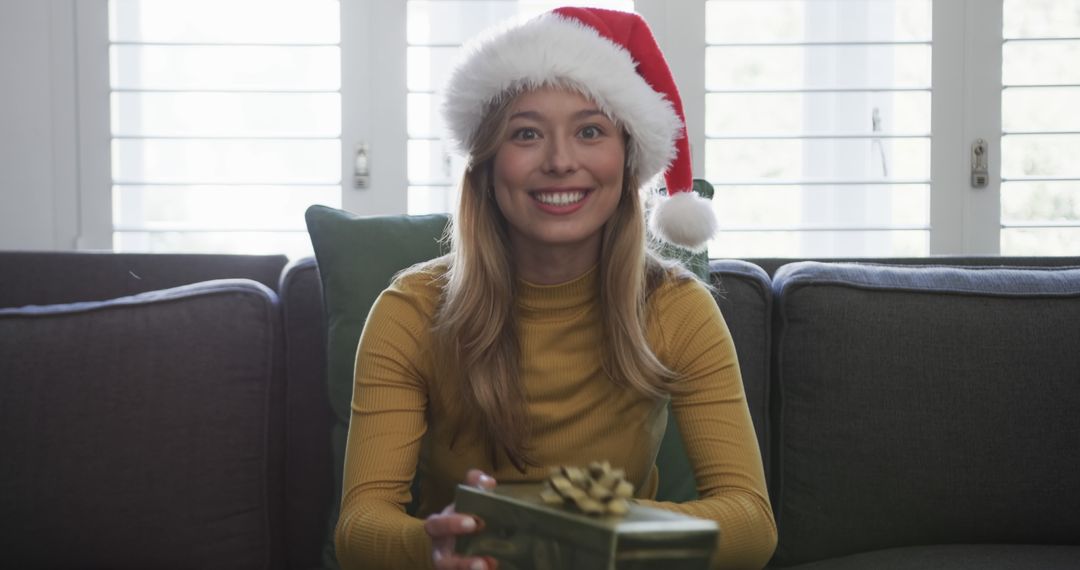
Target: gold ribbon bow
[[597, 490]]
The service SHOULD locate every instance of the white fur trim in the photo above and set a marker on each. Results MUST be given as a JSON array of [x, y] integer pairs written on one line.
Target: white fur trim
[[552, 50], [685, 219]]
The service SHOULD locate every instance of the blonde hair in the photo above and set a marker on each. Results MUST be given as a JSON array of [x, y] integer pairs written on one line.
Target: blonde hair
[[475, 330]]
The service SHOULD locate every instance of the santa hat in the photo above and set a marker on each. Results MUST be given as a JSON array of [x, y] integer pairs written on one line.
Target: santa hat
[[611, 58]]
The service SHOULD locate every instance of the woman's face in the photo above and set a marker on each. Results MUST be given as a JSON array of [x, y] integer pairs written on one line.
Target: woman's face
[[558, 172]]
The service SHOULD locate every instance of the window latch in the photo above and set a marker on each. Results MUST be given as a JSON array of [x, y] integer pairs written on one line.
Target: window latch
[[980, 176], [361, 170]]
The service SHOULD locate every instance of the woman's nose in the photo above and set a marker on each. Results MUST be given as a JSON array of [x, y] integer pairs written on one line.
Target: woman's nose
[[561, 158]]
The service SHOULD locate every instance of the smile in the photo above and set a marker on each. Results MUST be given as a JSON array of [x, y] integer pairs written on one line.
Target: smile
[[562, 198]]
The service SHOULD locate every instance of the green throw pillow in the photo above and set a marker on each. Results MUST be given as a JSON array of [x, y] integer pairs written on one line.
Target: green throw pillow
[[677, 482], [358, 257]]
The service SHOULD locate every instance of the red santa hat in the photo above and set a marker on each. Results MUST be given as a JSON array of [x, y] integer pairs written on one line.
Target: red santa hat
[[612, 58]]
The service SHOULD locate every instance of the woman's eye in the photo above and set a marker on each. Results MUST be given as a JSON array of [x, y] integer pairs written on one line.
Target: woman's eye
[[591, 132], [525, 134]]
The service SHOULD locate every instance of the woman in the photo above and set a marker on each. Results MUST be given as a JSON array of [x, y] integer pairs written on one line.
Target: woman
[[550, 335]]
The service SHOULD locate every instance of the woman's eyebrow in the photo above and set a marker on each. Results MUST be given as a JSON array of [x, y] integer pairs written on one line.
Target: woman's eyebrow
[[536, 116], [527, 115], [586, 113]]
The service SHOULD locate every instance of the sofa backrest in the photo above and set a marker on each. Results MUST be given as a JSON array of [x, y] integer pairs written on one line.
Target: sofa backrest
[[744, 293], [924, 405], [309, 474]]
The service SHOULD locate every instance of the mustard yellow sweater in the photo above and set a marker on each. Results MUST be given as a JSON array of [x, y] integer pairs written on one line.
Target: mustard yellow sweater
[[577, 416]]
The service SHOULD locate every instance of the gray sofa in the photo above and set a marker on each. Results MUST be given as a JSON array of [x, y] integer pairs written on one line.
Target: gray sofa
[[171, 410]]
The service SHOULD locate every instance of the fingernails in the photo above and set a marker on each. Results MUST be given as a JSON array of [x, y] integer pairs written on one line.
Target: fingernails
[[486, 481], [469, 525], [477, 565]]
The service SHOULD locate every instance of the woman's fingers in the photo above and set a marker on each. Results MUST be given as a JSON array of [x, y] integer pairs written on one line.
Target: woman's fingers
[[477, 478], [449, 525], [445, 527]]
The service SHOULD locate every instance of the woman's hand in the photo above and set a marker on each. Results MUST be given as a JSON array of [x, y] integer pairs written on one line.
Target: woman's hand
[[445, 527]]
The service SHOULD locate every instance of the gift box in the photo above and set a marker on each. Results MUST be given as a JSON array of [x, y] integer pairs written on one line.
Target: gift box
[[522, 532]]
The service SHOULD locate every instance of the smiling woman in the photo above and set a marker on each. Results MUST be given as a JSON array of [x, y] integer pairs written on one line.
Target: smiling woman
[[551, 334], [557, 178]]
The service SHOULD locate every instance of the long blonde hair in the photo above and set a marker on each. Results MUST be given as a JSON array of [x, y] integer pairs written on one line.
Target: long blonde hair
[[475, 328]]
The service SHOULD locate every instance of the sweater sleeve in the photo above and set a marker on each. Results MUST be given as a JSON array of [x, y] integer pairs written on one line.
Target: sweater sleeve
[[710, 407], [385, 431]]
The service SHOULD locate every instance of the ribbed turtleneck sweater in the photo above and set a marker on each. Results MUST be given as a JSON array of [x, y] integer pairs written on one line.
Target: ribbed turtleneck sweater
[[577, 414]]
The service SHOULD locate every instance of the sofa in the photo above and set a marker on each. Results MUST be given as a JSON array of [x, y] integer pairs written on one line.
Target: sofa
[[172, 411]]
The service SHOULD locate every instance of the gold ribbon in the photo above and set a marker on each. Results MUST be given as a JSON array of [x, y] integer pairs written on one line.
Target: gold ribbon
[[597, 490]]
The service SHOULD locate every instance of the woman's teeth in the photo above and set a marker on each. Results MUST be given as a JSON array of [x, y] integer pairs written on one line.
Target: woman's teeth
[[559, 198]]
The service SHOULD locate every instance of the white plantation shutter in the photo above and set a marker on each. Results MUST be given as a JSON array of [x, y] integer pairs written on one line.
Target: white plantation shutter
[[435, 31], [811, 117], [225, 123], [817, 126], [1040, 141]]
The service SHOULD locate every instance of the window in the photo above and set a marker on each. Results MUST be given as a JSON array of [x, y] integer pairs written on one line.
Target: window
[[828, 127], [1040, 141], [225, 123], [817, 126], [817, 120]]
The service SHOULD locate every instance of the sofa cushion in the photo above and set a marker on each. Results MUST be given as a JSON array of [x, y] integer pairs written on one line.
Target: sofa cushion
[[956, 557], [924, 405], [357, 258], [143, 431]]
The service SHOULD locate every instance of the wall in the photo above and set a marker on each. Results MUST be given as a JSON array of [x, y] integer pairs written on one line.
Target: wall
[[38, 135]]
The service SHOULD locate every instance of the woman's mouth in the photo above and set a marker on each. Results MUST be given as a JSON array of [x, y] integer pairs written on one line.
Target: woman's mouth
[[560, 201]]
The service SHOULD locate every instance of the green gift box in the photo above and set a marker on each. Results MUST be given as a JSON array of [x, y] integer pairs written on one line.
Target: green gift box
[[524, 533]]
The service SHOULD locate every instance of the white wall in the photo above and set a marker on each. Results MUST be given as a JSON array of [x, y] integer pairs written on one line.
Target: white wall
[[38, 138]]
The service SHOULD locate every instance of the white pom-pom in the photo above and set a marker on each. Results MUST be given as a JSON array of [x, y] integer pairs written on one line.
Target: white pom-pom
[[685, 219]]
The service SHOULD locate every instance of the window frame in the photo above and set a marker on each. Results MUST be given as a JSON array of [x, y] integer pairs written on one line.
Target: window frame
[[966, 63], [92, 104], [377, 117]]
